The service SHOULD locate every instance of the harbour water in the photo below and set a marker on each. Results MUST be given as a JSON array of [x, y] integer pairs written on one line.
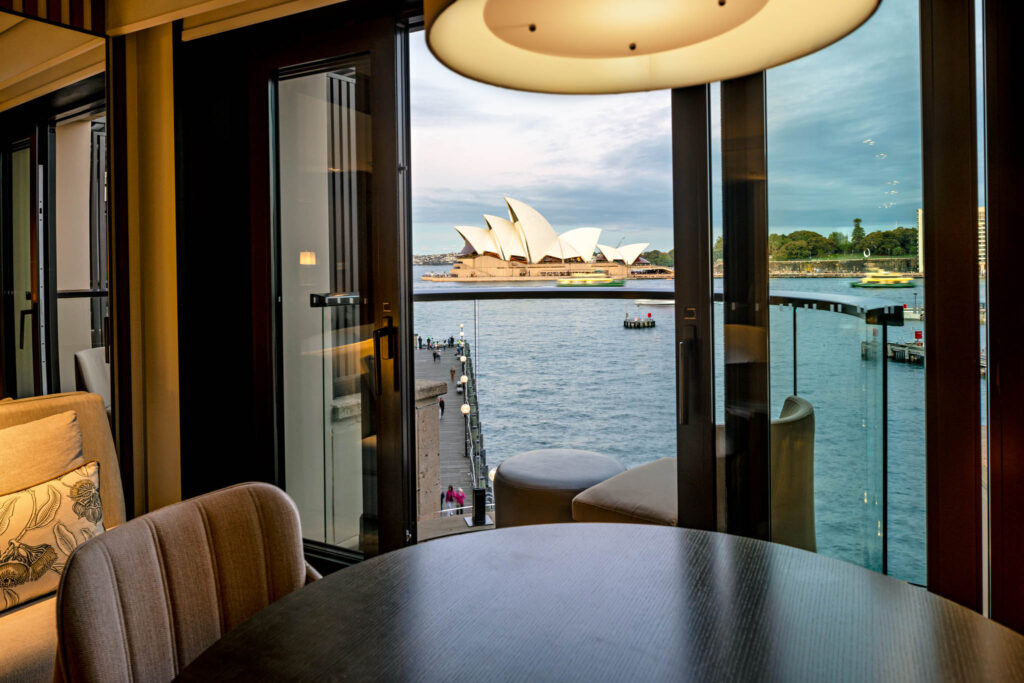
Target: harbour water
[[557, 373]]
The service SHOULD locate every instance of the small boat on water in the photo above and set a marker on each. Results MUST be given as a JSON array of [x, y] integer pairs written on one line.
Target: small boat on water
[[654, 302], [884, 279], [597, 278]]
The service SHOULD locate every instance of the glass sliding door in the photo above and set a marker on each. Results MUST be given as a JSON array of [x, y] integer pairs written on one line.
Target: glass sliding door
[[340, 384], [329, 366]]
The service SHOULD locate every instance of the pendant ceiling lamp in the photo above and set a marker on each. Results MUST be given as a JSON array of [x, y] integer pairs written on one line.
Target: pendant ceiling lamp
[[609, 46]]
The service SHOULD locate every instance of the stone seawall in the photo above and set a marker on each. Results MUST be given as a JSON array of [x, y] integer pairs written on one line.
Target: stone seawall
[[838, 268]]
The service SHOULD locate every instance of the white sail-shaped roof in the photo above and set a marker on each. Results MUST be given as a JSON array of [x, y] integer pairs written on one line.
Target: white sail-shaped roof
[[536, 233], [582, 241], [630, 252], [560, 250], [610, 253], [481, 240], [505, 235], [627, 253]]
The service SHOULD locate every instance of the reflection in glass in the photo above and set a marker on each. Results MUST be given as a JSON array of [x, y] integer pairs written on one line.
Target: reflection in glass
[[23, 261], [324, 169]]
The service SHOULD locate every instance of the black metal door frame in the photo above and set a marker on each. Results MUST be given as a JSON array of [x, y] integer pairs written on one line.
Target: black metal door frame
[[255, 55]]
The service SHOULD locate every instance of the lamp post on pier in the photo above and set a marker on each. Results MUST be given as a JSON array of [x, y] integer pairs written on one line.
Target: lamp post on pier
[[465, 412]]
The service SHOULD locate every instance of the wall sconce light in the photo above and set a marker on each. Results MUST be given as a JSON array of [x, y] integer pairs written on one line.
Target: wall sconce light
[[307, 258], [610, 46]]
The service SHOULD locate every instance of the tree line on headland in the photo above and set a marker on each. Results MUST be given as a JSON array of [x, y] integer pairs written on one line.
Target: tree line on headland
[[807, 244]]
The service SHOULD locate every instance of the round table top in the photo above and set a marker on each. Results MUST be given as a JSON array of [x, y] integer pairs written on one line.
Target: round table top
[[610, 602]]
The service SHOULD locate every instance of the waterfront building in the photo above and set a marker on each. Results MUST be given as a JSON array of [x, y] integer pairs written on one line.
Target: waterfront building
[[982, 238], [524, 246], [920, 241]]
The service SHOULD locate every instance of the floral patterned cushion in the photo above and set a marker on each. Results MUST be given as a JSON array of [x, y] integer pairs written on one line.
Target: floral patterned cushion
[[40, 527]]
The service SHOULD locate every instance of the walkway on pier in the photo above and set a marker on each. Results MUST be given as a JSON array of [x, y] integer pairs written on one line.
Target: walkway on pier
[[456, 469]]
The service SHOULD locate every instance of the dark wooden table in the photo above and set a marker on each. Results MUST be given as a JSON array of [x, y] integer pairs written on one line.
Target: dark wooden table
[[595, 602]]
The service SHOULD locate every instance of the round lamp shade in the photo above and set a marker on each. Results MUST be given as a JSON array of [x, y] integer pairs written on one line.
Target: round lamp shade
[[610, 46], [465, 409]]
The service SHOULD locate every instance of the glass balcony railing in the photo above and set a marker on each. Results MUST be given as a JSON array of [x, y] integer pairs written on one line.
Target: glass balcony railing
[[554, 367]]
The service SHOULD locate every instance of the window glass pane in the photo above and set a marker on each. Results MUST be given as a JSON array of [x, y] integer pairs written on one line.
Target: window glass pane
[[324, 170], [589, 184], [844, 183]]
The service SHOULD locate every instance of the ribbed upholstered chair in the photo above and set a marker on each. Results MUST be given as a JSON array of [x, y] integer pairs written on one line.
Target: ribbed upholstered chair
[[140, 602]]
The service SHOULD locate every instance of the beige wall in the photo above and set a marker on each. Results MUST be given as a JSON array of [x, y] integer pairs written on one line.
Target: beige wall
[[74, 323]]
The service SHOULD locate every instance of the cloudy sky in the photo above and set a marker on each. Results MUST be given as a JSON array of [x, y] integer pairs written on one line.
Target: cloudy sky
[[844, 141]]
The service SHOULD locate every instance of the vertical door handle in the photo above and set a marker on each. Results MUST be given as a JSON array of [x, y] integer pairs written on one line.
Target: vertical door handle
[[390, 331], [21, 332], [685, 353]]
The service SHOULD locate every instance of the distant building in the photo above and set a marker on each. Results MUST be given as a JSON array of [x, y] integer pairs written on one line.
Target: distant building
[[920, 240], [982, 236], [982, 239], [525, 246]]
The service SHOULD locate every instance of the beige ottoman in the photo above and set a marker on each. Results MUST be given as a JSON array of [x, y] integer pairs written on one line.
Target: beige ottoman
[[643, 495], [537, 487]]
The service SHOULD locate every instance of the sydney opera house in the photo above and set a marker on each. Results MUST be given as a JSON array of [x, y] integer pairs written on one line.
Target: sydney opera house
[[524, 246]]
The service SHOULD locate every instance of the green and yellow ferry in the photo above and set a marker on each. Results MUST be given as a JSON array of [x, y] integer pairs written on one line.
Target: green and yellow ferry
[[883, 279], [597, 278]]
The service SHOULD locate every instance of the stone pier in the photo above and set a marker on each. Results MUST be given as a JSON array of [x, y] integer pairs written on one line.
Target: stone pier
[[428, 448]]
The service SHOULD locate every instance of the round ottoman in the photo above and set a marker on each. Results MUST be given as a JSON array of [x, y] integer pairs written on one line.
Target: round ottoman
[[537, 487]]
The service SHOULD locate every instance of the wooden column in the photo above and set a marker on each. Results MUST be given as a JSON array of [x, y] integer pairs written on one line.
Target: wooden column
[[952, 376], [1005, 219]]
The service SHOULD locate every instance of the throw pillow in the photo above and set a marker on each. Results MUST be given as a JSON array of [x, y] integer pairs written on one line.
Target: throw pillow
[[41, 526], [36, 451]]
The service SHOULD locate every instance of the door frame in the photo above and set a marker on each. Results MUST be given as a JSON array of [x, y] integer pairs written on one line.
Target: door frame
[[357, 26]]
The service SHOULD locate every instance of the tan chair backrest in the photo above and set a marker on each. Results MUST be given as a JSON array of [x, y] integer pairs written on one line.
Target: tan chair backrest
[[792, 453], [792, 439], [97, 442], [139, 603]]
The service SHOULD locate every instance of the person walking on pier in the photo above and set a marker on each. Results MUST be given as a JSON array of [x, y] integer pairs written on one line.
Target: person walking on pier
[[460, 498], [453, 374], [440, 402], [449, 501]]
